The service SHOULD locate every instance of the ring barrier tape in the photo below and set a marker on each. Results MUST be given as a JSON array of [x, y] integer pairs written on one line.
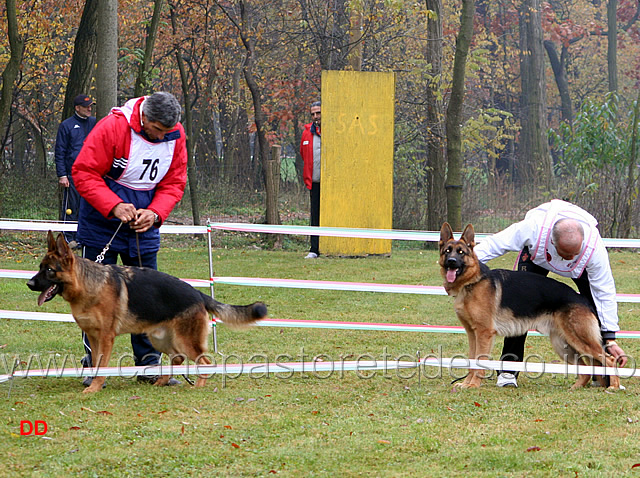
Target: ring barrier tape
[[318, 366], [396, 234], [310, 284]]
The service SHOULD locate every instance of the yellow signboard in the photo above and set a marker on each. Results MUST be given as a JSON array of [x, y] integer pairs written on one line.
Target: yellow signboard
[[357, 159]]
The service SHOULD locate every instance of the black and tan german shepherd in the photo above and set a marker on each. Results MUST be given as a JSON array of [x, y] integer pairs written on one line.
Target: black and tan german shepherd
[[508, 303], [110, 300]]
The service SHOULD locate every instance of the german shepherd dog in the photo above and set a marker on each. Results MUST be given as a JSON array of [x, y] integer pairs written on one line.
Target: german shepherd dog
[[109, 300], [508, 303]]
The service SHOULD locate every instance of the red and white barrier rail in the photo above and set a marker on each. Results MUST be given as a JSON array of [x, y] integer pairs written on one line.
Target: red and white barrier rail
[[260, 370]]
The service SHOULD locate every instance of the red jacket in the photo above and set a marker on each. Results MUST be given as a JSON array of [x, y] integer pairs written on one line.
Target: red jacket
[[111, 139], [107, 172], [306, 151]]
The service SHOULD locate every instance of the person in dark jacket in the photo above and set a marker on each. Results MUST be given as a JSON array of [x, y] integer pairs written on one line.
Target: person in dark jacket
[[71, 135], [131, 172], [310, 152]]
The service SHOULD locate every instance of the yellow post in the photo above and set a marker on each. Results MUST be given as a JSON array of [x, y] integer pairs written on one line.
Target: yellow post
[[357, 159]]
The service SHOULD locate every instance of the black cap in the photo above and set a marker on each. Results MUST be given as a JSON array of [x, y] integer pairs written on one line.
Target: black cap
[[82, 100]]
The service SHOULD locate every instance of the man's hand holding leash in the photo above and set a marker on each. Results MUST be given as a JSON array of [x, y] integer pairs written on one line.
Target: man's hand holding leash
[[140, 220], [614, 349]]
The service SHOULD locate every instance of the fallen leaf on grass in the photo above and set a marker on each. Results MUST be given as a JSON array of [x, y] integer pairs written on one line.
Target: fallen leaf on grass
[[538, 420], [134, 397], [228, 427], [163, 411], [234, 445], [182, 431], [534, 448], [74, 428], [104, 412], [87, 409], [384, 442], [635, 466], [477, 404]]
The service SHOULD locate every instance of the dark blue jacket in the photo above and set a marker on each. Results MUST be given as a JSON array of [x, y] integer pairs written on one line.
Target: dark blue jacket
[[71, 135]]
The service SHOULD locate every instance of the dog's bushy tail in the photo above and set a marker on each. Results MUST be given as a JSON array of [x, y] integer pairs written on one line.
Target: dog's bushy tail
[[236, 315]]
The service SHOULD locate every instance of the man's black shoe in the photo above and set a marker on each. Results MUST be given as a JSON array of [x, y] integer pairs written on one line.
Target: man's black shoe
[[151, 379]]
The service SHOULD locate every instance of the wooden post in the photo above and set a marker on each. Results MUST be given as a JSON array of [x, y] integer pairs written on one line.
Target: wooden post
[[272, 182]]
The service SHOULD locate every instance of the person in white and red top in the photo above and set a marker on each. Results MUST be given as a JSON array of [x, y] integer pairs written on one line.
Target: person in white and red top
[[310, 152], [132, 169], [560, 237]]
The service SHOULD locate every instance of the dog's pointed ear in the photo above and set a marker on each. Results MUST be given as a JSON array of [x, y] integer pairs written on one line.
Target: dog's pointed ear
[[446, 234], [62, 247], [51, 241], [469, 236]]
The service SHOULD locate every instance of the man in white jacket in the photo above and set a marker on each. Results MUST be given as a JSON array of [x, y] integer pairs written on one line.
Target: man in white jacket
[[560, 237]]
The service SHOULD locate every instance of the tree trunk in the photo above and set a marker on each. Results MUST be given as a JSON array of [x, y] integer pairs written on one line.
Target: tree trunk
[[107, 71], [12, 68], [559, 67], [84, 57], [142, 81], [612, 45], [436, 195], [188, 123], [632, 194], [262, 146], [272, 186], [454, 120], [534, 159], [355, 38]]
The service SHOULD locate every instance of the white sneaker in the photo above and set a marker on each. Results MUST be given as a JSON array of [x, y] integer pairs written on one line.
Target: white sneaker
[[311, 255], [506, 379]]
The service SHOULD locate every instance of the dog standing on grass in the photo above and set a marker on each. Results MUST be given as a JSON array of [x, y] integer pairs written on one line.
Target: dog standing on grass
[[110, 300], [508, 303]]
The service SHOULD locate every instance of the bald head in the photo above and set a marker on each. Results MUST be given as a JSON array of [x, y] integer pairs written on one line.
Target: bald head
[[567, 235]]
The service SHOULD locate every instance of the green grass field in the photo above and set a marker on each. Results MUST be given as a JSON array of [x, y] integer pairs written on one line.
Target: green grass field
[[386, 423]]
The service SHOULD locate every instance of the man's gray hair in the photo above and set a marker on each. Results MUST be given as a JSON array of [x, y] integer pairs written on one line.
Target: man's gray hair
[[162, 107], [315, 103], [569, 229]]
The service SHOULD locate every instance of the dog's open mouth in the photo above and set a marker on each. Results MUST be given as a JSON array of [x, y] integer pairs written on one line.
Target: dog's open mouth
[[452, 274], [48, 294]]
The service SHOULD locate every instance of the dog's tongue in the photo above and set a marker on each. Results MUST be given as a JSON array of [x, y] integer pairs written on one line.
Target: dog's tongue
[[42, 298], [451, 275], [46, 295]]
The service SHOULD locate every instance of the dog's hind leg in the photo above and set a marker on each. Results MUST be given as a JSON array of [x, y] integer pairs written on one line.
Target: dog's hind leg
[[191, 338], [582, 333]]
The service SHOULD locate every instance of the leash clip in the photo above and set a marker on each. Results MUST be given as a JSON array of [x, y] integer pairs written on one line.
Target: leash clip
[[100, 257]]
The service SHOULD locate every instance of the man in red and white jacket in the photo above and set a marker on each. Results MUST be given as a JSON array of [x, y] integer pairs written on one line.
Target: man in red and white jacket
[[132, 169], [310, 152]]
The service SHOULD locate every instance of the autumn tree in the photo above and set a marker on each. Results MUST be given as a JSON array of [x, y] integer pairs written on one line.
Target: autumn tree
[[107, 54], [436, 194], [534, 167], [453, 184], [11, 70]]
